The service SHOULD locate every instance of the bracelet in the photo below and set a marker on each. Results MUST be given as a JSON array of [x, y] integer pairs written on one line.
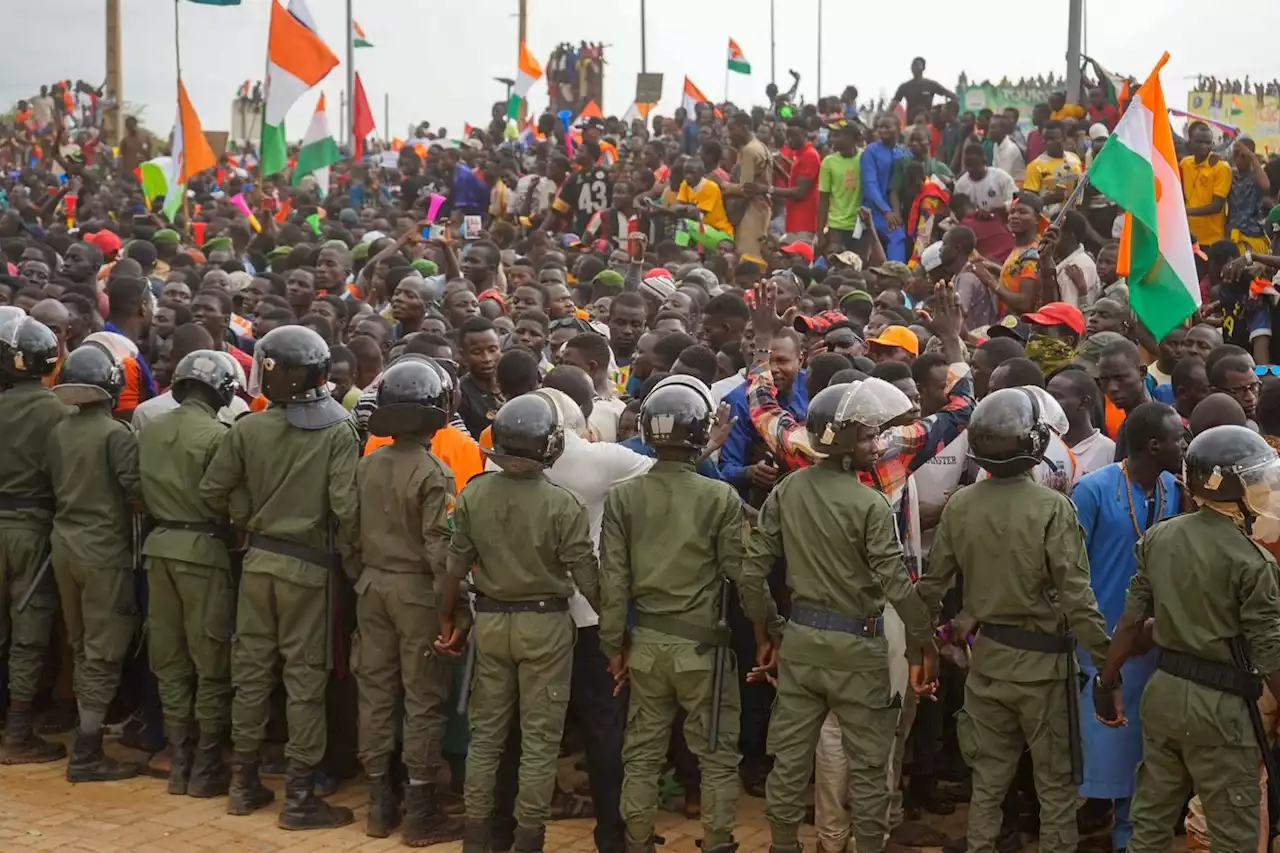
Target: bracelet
[[1106, 688]]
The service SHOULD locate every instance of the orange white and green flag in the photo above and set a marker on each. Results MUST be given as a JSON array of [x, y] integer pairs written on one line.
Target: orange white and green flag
[[358, 38], [528, 73], [737, 61], [1138, 170], [191, 153], [297, 59]]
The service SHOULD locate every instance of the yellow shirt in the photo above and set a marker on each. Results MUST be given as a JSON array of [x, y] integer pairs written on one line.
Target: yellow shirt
[[708, 199], [1047, 173], [1201, 184], [1069, 112]]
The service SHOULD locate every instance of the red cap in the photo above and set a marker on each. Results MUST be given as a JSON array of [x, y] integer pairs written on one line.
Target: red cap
[[1058, 314], [804, 250], [819, 322], [107, 242]]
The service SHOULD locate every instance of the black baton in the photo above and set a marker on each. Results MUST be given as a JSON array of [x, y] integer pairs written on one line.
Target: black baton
[[717, 678]]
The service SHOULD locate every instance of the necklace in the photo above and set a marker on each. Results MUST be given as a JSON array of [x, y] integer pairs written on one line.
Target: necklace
[[1128, 493]]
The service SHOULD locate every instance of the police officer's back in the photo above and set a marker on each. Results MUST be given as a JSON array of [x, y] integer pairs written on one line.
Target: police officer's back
[[529, 541], [1216, 602], [670, 540], [191, 613], [93, 463], [28, 414], [1021, 551], [295, 463]]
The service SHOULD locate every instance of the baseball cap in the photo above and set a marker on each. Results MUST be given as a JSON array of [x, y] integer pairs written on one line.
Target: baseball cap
[[1091, 348], [1031, 200], [898, 336], [819, 322], [1099, 131], [107, 242], [848, 258], [1058, 314], [1010, 327], [800, 248], [892, 269]]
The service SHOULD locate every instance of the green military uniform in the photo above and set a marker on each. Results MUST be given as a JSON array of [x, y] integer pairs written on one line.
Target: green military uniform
[[28, 414], [406, 495], [192, 598], [93, 463], [526, 537], [668, 541], [1021, 551], [843, 562], [298, 482], [1206, 583]]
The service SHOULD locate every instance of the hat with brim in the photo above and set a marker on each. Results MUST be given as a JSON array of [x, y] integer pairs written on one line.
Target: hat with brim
[[1010, 327], [1090, 350], [897, 336], [892, 269], [165, 236], [848, 259], [406, 419], [73, 394], [1058, 314], [216, 243]]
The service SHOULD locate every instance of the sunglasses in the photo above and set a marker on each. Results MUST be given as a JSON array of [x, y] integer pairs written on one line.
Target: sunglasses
[[1267, 370]]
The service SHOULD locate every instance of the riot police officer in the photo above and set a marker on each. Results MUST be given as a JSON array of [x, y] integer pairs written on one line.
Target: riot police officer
[[296, 461], [406, 500], [527, 537], [1213, 592], [1017, 543], [93, 464], [28, 414], [670, 542], [191, 611], [841, 572]]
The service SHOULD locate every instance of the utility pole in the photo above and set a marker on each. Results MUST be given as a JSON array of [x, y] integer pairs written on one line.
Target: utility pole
[[643, 66], [1075, 28], [115, 74], [524, 28], [351, 80], [819, 49]]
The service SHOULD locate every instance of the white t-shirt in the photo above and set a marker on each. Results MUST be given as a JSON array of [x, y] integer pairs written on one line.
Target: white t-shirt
[[996, 189], [604, 419], [1067, 289], [724, 387], [1008, 158], [589, 470], [1094, 452], [149, 410]]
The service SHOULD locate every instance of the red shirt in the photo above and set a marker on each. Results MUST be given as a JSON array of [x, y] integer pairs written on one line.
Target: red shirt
[[1035, 144], [1108, 115], [242, 358], [802, 213], [994, 239]]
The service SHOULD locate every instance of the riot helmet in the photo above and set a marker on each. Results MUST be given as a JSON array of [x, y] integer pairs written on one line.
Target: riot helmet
[[528, 434], [28, 348], [677, 413], [213, 370], [1233, 464], [1009, 431], [842, 408], [411, 400], [291, 365], [89, 374]]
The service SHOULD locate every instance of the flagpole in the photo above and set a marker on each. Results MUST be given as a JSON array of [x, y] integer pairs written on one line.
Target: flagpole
[[266, 88], [819, 49], [177, 125], [773, 47], [351, 80]]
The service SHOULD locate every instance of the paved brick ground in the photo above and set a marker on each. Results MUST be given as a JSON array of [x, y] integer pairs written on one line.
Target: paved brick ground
[[40, 810]]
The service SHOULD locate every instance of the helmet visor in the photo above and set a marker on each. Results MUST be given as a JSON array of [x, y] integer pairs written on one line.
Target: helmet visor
[[1262, 489], [872, 402]]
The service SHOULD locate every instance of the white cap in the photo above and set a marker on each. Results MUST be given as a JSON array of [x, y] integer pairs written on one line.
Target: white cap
[[1099, 131]]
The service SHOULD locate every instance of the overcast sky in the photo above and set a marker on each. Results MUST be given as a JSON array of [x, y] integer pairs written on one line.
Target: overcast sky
[[437, 59]]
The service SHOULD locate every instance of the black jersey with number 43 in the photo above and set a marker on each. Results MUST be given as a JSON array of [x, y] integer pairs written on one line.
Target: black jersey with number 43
[[584, 194]]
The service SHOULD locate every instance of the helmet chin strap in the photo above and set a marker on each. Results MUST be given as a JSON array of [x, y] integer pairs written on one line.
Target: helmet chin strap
[[1248, 517]]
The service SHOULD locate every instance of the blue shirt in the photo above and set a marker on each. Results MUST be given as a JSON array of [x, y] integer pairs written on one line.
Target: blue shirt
[[470, 194], [734, 454], [877, 169], [636, 444]]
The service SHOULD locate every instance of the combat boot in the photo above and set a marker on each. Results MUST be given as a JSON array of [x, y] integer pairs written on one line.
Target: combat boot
[[248, 794], [786, 848], [475, 837], [529, 839], [424, 825], [303, 809], [90, 764], [180, 766], [384, 811], [729, 847], [209, 776], [22, 745]]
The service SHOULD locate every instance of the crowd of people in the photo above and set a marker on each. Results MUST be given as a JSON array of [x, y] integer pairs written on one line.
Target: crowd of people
[[734, 449]]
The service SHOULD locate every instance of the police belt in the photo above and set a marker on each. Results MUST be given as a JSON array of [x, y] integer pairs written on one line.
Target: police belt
[[221, 532], [298, 551], [677, 627], [12, 502], [1216, 675], [825, 620], [554, 604], [1028, 641]]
